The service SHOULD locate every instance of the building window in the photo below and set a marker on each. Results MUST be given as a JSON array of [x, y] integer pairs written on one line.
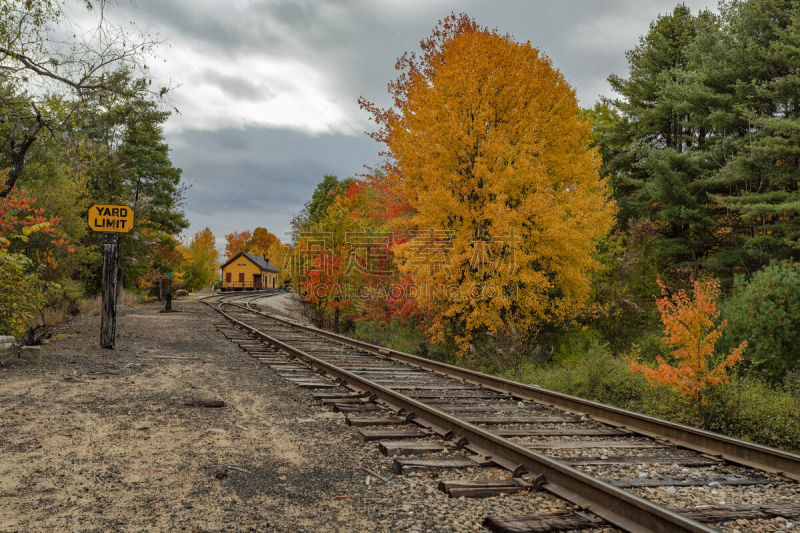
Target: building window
[[241, 277], [228, 277]]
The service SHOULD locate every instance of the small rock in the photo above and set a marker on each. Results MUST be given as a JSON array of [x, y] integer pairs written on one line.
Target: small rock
[[714, 484], [671, 490], [216, 431]]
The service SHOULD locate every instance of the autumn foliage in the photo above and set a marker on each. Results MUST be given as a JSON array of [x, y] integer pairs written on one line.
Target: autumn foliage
[[30, 245], [692, 329], [201, 259], [489, 150], [21, 221], [235, 242]]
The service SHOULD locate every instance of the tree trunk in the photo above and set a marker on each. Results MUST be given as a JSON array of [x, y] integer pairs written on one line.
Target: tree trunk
[[19, 152], [108, 318], [120, 286]]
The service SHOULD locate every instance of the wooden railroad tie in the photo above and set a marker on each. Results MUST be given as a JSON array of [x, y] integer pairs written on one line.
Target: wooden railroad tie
[[541, 523], [581, 444], [366, 435], [688, 481], [628, 459], [558, 432], [570, 520], [518, 419], [361, 421], [483, 488], [415, 464], [404, 447]]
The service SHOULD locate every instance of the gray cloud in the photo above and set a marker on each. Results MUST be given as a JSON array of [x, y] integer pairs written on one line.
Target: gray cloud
[[251, 52], [239, 87], [252, 177]]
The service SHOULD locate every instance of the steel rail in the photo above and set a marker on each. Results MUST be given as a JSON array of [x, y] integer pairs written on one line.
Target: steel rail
[[618, 507], [731, 449]]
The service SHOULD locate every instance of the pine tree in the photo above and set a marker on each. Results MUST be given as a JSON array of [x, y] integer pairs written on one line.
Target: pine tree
[[706, 146], [761, 170]]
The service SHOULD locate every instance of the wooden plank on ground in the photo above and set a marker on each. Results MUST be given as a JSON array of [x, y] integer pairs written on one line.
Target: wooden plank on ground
[[360, 421], [345, 407], [314, 385], [558, 432], [416, 464], [725, 513], [482, 488], [688, 481], [627, 460], [403, 447], [565, 521], [518, 419], [385, 434], [582, 444], [333, 395], [433, 387]]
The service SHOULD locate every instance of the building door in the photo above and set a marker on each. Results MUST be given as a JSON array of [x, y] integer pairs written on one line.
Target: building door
[[228, 278], [241, 279], [256, 281]]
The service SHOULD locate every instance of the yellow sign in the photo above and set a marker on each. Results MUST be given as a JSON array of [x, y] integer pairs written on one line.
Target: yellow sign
[[111, 218]]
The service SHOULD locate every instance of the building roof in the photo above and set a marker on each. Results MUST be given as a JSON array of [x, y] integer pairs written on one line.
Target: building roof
[[260, 262]]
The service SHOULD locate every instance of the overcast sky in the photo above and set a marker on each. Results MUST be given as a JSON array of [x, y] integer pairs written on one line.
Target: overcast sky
[[268, 89]]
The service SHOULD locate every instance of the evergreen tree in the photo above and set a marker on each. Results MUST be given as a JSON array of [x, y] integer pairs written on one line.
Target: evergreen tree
[[760, 164], [706, 146]]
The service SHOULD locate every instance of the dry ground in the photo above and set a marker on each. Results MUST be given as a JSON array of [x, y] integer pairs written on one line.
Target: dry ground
[[101, 440]]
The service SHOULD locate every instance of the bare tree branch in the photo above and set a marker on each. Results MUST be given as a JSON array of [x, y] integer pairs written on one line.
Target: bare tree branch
[[36, 66]]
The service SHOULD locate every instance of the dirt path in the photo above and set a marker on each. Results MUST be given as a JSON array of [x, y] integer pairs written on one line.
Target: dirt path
[[285, 304], [98, 440]]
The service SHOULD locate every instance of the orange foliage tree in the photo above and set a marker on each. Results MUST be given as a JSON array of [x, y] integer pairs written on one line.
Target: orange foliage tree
[[22, 223], [692, 329], [487, 144], [263, 241], [332, 262], [268, 245], [238, 241], [29, 246]]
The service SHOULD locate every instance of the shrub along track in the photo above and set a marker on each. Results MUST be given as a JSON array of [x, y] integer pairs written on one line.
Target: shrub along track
[[617, 467]]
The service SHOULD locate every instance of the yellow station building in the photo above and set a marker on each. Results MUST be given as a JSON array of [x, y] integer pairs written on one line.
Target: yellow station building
[[246, 271]]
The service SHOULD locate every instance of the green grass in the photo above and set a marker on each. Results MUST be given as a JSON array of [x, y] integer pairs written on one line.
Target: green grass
[[583, 365], [746, 408]]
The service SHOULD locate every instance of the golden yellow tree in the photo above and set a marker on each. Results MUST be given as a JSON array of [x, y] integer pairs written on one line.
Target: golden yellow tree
[[201, 259], [489, 147]]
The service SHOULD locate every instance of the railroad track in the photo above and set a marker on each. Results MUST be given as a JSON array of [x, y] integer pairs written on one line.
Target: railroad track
[[616, 467]]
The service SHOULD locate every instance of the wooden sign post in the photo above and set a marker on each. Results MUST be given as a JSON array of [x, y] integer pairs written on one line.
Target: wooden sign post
[[111, 220]]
